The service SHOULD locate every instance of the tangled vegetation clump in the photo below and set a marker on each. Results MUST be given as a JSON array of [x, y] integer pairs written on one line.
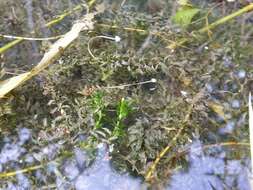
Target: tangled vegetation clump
[[142, 98]]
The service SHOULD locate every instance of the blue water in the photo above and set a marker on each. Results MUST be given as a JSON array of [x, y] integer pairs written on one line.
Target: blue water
[[207, 170]]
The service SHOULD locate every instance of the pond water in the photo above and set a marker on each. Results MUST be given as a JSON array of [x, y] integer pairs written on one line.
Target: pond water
[[56, 134], [206, 171]]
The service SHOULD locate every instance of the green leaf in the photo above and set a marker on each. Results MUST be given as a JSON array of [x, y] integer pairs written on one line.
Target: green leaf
[[124, 108], [184, 16]]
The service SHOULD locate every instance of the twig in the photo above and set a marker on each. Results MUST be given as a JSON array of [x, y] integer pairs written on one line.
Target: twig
[[129, 29], [124, 28], [54, 52], [150, 172], [227, 18], [25, 170], [209, 32], [122, 3], [153, 80], [29, 38], [213, 25], [207, 146], [49, 24], [251, 131]]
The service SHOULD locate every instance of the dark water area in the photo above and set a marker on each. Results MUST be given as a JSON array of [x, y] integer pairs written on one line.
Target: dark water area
[[28, 19], [47, 134]]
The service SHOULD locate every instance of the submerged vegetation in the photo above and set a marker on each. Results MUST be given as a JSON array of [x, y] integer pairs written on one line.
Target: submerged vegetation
[[172, 79]]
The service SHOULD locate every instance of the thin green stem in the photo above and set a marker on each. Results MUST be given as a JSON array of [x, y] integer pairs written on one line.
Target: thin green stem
[[25, 170], [213, 25]]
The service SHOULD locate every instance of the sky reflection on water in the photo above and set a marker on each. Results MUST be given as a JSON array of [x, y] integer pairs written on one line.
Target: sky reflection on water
[[206, 171]]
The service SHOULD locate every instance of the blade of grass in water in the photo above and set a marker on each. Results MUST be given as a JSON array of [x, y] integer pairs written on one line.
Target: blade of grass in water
[[251, 140], [251, 131]]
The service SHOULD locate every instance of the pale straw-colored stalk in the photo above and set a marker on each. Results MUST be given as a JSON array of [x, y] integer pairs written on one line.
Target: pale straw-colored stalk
[[251, 131], [251, 140]]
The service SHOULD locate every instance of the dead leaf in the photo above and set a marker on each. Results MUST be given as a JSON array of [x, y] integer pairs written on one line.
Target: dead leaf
[[218, 109]]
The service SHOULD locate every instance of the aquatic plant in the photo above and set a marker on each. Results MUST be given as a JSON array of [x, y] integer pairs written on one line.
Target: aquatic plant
[[146, 103], [98, 106], [124, 108]]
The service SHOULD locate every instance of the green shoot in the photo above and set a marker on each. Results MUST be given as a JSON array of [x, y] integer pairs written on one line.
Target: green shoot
[[123, 110], [98, 107]]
